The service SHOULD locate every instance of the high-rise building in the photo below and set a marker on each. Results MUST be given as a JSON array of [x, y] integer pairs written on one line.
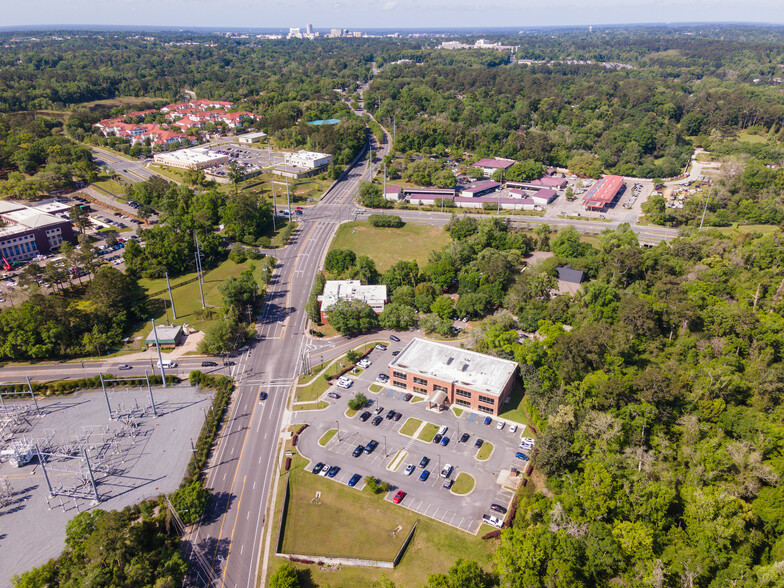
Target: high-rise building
[[309, 29]]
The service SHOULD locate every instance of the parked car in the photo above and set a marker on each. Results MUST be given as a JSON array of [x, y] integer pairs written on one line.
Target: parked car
[[464, 437], [409, 469], [408, 396], [512, 428], [318, 467], [488, 420], [376, 421], [444, 441], [382, 378], [354, 479], [397, 417], [390, 415], [324, 470], [448, 484], [447, 471], [334, 395], [491, 520], [208, 364], [358, 451], [333, 471], [399, 496], [396, 352], [498, 508], [500, 425], [364, 416], [424, 475], [381, 347], [124, 366], [423, 463], [521, 455], [371, 445], [442, 430], [379, 410], [437, 438], [478, 443]]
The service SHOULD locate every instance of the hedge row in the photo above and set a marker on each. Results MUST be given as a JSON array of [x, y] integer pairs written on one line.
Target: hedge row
[[68, 386]]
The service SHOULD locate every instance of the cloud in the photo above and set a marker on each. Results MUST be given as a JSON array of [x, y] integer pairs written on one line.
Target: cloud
[[390, 5]]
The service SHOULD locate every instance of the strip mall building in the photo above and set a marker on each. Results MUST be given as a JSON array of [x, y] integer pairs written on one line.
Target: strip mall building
[[448, 375]]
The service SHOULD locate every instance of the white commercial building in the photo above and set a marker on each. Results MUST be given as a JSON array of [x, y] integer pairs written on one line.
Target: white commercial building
[[193, 158], [308, 159], [334, 290], [252, 137]]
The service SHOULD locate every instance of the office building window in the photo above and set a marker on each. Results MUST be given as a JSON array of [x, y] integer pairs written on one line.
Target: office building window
[[399, 375], [420, 381], [486, 399], [399, 384], [420, 390], [437, 388], [463, 393], [485, 409], [462, 402]]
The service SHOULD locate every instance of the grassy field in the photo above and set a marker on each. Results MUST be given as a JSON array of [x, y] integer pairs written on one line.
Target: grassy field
[[464, 483], [313, 390], [428, 432], [388, 246], [435, 543], [187, 301], [484, 451], [410, 427], [111, 186], [746, 229], [325, 438], [746, 137], [514, 410], [375, 388], [168, 172]]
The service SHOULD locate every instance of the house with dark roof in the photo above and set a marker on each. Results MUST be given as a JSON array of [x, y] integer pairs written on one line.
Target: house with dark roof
[[569, 279]]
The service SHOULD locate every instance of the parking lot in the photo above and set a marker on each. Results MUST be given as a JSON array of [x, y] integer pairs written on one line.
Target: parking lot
[[429, 497], [251, 158]]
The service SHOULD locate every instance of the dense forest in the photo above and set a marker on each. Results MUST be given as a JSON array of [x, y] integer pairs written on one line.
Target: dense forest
[[656, 390]]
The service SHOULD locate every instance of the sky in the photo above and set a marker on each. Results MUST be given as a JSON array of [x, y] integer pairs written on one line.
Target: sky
[[359, 14]]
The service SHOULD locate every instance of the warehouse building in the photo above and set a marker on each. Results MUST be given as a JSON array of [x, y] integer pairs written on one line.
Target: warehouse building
[[603, 193], [334, 290], [194, 158], [448, 375]]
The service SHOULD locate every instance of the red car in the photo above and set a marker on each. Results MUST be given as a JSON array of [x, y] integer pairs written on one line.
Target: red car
[[398, 497]]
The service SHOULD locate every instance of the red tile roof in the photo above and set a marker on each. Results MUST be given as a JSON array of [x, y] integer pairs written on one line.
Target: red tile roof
[[603, 192]]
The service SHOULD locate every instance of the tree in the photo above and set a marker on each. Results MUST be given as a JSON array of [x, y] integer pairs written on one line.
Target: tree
[[397, 316], [190, 501], [386, 220], [525, 171], [339, 261], [585, 165], [566, 243], [359, 401], [351, 317], [543, 233], [79, 218], [443, 307], [462, 574], [239, 293], [285, 577]]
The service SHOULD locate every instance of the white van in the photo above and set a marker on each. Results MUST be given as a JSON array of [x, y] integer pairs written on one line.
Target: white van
[[167, 364]]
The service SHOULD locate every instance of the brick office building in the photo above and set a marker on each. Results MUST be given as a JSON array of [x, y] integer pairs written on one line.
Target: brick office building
[[449, 375]]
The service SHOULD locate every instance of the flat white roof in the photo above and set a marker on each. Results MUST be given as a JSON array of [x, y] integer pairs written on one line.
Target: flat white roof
[[480, 372], [335, 290], [258, 135], [192, 155]]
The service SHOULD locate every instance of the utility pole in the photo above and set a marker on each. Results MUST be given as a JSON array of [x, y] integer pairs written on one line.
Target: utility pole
[[704, 210], [158, 349], [288, 198], [199, 276], [168, 287], [274, 207]]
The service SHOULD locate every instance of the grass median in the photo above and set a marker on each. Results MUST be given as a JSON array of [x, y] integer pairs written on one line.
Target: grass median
[[484, 452], [428, 432], [410, 427], [464, 483], [327, 437]]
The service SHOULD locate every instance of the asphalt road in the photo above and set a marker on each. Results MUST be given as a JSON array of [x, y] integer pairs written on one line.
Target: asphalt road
[[230, 538], [130, 169]]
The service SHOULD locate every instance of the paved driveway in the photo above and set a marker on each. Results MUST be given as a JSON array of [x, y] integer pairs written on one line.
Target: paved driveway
[[428, 498]]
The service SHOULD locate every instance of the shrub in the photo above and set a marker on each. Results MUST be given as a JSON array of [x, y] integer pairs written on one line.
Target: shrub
[[492, 534], [386, 220]]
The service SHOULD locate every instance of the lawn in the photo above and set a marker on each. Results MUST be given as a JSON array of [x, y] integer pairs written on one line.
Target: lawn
[[169, 173], [410, 427], [428, 432], [350, 412], [326, 437], [375, 388], [187, 301], [513, 411], [311, 406], [416, 399], [458, 411], [313, 390], [435, 543], [109, 185], [746, 137], [464, 483], [484, 452], [387, 246]]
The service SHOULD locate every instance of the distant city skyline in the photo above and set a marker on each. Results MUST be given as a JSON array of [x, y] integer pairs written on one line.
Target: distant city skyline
[[380, 14]]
